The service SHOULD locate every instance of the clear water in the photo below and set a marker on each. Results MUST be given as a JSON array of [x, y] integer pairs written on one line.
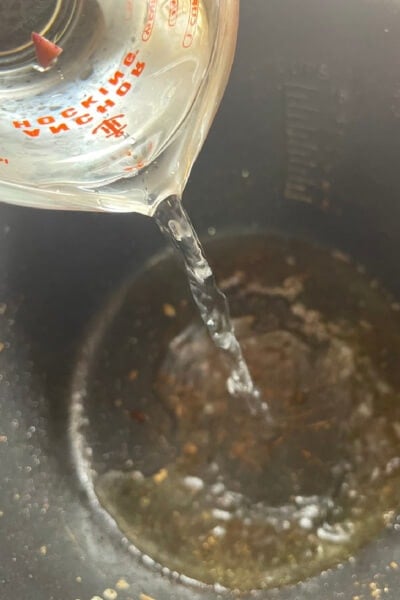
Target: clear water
[[117, 122], [199, 484], [112, 102], [175, 224]]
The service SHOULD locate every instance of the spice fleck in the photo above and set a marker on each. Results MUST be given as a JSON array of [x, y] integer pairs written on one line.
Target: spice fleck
[[122, 584], [160, 476], [133, 375], [169, 311]]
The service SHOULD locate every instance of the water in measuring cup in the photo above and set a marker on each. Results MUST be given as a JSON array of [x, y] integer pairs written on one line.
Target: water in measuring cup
[[86, 131]]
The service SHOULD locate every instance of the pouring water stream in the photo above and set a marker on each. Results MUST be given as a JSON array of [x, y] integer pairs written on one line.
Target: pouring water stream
[[212, 304]]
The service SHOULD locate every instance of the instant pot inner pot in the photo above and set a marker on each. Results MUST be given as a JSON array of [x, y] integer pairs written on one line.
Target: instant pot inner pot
[[123, 464]]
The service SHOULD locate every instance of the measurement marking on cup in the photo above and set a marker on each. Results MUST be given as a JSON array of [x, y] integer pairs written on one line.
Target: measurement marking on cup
[[150, 20], [111, 127], [192, 24], [129, 9], [173, 12], [4, 161], [118, 85]]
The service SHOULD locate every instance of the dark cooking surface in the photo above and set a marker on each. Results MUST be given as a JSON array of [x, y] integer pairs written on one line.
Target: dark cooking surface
[[57, 269]]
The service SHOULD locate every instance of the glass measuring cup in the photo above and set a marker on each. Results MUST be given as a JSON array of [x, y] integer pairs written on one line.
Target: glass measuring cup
[[117, 122]]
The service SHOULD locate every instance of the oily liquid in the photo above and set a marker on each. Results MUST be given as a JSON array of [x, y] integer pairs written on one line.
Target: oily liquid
[[197, 481]]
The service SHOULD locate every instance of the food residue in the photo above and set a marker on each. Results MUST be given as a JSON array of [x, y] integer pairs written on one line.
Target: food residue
[[190, 449], [138, 416], [110, 594], [133, 375], [122, 584], [169, 311], [160, 476]]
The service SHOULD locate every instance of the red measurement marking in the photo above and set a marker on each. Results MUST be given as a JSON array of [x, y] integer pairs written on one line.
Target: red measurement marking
[[111, 127], [137, 167], [4, 160], [46, 52], [173, 12], [150, 20], [192, 24], [129, 9]]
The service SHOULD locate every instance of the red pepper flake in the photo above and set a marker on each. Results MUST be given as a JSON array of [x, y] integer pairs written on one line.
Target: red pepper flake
[[133, 375], [138, 416], [46, 51]]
